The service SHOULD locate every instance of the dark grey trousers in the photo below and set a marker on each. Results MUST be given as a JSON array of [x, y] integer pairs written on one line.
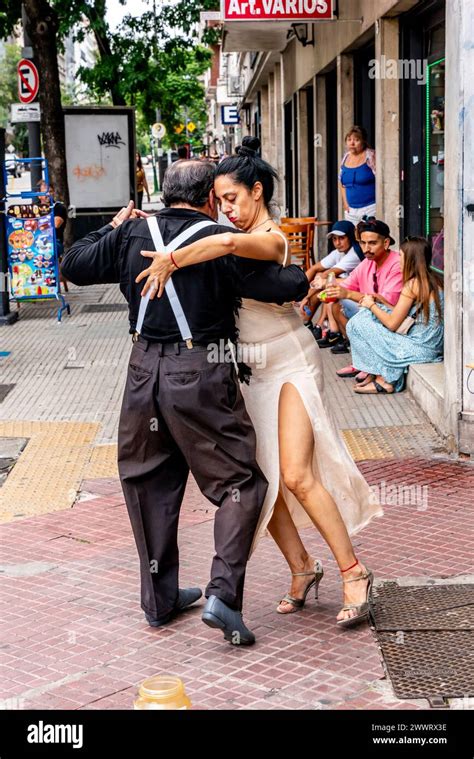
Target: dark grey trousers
[[182, 413]]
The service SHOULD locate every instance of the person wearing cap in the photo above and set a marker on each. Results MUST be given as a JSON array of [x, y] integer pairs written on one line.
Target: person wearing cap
[[378, 275], [346, 255]]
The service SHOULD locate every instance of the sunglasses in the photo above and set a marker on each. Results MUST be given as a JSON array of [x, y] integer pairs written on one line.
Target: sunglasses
[[375, 283]]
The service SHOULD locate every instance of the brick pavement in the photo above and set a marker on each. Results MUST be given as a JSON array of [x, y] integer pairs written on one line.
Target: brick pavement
[[73, 634]]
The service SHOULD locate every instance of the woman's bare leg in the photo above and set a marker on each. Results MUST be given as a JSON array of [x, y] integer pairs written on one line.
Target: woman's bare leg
[[296, 442], [286, 536]]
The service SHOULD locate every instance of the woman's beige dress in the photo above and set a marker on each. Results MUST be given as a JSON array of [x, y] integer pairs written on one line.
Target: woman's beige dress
[[284, 350]]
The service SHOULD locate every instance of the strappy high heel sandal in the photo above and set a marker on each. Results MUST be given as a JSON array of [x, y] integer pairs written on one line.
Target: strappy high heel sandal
[[298, 603], [363, 608]]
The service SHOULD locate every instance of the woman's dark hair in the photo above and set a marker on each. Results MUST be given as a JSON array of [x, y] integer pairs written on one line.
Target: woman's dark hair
[[139, 161], [247, 167], [359, 132], [417, 266]]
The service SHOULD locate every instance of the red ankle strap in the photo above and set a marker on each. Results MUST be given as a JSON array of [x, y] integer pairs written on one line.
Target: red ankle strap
[[351, 567]]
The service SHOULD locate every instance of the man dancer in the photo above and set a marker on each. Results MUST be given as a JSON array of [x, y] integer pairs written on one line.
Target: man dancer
[[180, 412]]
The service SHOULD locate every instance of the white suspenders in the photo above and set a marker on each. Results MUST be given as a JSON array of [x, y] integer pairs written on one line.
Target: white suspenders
[[169, 287]]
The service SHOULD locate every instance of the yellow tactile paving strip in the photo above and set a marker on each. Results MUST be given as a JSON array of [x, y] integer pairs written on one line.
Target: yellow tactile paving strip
[[48, 474], [60, 455], [363, 444], [103, 463], [390, 442]]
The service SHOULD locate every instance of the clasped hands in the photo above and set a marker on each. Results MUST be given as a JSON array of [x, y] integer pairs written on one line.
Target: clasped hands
[[128, 212]]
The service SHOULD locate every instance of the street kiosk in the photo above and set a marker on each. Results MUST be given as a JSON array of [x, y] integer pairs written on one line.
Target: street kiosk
[[32, 252]]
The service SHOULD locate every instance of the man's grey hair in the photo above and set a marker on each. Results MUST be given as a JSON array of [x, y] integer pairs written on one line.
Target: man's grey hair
[[188, 182]]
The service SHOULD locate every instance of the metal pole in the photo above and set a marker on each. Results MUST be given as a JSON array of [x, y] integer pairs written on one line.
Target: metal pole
[[158, 145], [34, 134], [153, 161], [6, 316]]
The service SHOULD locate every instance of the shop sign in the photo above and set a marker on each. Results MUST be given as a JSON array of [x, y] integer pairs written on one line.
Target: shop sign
[[277, 10]]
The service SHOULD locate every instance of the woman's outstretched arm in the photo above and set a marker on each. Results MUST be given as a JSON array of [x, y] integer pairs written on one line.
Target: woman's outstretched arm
[[259, 245]]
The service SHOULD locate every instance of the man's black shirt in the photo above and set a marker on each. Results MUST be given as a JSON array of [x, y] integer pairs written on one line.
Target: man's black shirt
[[208, 291]]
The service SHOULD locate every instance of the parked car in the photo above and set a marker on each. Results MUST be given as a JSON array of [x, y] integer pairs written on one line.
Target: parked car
[[11, 165]]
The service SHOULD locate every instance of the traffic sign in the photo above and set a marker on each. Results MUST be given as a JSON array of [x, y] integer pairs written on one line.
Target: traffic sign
[[28, 81], [229, 114], [179, 129], [23, 113], [158, 131]]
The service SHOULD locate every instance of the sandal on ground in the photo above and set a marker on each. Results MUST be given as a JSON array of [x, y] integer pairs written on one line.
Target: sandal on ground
[[366, 381], [347, 372], [361, 376], [372, 388], [298, 603], [361, 609]]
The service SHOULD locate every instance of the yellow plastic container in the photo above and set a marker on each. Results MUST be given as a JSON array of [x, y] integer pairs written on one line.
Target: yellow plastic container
[[162, 692]]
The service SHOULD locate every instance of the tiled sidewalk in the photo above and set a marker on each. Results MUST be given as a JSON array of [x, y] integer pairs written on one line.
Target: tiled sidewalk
[[73, 635]]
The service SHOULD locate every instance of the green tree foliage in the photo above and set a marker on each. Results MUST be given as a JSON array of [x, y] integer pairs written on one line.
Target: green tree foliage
[[154, 61]]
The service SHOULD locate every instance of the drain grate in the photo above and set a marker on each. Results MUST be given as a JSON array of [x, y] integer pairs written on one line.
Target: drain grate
[[102, 308], [429, 663], [4, 390], [425, 634], [432, 607]]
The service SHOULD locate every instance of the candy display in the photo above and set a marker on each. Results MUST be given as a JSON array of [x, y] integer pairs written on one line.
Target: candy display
[[31, 251]]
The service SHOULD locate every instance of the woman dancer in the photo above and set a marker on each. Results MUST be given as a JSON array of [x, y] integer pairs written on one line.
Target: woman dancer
[[312, 477]]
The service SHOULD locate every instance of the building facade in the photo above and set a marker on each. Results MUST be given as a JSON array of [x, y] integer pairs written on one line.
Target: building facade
[[223, 84], [403, 70]]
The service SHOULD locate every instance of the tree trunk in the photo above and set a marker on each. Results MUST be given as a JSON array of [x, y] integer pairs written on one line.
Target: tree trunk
[[42, 28]]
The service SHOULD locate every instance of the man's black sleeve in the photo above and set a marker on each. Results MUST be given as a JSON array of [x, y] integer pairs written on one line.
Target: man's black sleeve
[[269, 282], [94, 260]]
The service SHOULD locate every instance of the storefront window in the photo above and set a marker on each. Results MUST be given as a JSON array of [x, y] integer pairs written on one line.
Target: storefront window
[[435, 92]]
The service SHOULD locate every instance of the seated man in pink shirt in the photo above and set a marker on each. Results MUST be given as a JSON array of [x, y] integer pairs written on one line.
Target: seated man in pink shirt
[[378, 275]]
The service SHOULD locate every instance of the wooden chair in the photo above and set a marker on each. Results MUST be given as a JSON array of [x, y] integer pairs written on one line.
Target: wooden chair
[[310, 221], [299, 239]]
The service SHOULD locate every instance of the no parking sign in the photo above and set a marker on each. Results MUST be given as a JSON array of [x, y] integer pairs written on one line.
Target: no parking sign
[[28, 81]]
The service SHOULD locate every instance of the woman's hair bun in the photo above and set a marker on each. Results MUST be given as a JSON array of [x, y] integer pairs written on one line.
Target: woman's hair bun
[[250, 146]]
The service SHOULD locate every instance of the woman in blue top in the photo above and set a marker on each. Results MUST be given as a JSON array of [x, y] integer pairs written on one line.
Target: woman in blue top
[[377, 348], [357, 176]]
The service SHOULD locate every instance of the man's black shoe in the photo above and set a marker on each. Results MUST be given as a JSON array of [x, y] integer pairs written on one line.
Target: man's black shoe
[[331, 339], [186, 597], [315, 329], [341, 347], [218, 614]]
